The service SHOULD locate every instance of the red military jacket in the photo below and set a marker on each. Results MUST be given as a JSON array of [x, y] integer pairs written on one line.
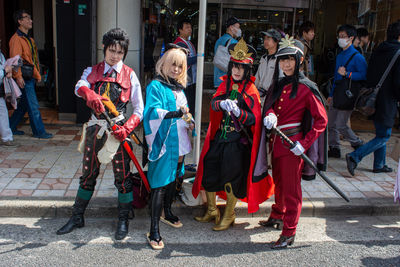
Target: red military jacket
[[291, 111], [256, 192]]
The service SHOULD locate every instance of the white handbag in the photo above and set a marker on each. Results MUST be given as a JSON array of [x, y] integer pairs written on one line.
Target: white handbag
[[222, 57]]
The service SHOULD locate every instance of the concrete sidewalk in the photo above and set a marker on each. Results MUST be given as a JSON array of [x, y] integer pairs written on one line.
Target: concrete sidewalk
[[40, 178]]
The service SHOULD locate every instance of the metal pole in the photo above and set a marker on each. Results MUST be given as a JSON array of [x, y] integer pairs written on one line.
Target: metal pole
[[199, 80]]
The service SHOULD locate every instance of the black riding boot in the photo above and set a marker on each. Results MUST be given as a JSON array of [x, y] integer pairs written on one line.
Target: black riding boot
[[76, 220], [170, 191], [123, 223], [157, 196]]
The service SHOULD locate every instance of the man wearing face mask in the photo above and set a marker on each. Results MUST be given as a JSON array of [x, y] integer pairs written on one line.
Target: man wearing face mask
[[356, 70], [232, 31]]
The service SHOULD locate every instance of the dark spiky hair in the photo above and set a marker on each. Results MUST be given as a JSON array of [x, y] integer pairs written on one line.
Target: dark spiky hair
[[116, 36]]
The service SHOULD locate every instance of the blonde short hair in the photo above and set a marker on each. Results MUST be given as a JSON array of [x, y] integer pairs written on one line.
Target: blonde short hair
[[173, 56]]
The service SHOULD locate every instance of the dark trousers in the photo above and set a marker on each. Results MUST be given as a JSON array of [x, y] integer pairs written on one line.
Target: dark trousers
[[190, 92], [91, 164]]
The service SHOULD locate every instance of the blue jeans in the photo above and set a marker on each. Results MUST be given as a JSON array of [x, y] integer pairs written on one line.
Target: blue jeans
[[28, 102], [376, 145]]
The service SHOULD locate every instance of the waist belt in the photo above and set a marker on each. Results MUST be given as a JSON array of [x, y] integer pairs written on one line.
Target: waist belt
[[290, 132], [228, 128]]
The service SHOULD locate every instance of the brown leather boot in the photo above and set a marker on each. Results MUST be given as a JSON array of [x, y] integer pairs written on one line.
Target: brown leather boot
[[229, 215], [212, 210]]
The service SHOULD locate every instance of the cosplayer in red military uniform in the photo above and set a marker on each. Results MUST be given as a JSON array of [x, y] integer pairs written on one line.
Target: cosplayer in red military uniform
[[232, 140], [293, 101], [113, 79]]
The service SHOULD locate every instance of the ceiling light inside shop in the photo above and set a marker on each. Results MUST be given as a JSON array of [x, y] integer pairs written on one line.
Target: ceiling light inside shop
[[276, 14]]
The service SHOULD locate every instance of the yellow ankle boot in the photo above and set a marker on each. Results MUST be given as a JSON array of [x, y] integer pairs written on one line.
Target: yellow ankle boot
[[229, 215], [212, 210]]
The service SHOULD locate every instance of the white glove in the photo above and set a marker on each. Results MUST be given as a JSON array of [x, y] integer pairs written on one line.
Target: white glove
[[298, 149], [234, 108], [224, 104], [270, 121]]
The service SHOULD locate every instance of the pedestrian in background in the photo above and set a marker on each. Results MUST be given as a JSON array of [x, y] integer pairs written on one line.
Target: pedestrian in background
[[23, 45], [356, 70], [5, 130], [266, 69], [386, 102], [183, 40], [306, 35], [233, 31]]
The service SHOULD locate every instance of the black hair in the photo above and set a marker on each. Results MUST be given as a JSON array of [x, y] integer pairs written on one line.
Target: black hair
[[306, 27], [246, 75], [293, 79], [362, 32], [116, 36], [349, 29], [18, 15], [393, 31], [182, 22]]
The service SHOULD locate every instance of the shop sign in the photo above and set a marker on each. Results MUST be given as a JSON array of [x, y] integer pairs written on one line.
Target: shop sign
[[67, 1]]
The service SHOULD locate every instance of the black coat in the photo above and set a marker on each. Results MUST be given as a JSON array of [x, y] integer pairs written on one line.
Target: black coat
[[389, 94]]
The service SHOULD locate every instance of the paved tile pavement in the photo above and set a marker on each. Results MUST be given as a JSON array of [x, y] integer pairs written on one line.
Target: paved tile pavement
[[40, 168]]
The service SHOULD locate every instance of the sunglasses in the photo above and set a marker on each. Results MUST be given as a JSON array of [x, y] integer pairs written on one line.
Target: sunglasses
[[172, 45]]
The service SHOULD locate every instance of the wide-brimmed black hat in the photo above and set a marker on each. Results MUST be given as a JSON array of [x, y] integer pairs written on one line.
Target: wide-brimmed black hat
[[242, 53], [290, 46]]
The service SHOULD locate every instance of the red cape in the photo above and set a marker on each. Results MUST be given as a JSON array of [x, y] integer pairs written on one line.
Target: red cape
[[258, 192]]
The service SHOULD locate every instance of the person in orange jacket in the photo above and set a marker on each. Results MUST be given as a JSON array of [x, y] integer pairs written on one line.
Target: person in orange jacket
[[23, 45]]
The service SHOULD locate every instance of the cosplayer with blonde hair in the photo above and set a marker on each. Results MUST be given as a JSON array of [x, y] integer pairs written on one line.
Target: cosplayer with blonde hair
[[167, 122]]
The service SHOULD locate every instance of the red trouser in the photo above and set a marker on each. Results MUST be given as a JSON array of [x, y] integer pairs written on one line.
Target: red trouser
[[286, 171]]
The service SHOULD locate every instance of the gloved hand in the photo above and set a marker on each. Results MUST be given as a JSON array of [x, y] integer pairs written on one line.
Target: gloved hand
[[270, 121], [228, 105], [122, 133], [93, 100], [298, 149], [235, 109]]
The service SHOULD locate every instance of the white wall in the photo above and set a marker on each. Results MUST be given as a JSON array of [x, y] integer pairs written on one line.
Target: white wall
[[124, 14]]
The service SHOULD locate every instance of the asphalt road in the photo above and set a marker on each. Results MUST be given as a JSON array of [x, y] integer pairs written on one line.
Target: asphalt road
[[331, 241]]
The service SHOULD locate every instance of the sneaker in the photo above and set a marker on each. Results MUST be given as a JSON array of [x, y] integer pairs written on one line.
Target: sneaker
[[44, 136], [351, 164], [385, 168], [17, 132]]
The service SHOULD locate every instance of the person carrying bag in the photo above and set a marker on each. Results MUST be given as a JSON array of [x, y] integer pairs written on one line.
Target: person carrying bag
[[222, 57], [346, 91], [365, 102]]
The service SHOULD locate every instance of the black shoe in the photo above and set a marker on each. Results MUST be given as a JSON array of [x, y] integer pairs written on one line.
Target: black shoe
[[283, 242], [123, 220], [351, 164], [76, 221], [385, 168], [18, 132], [273, 223], [308, 177], [334, 152]]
